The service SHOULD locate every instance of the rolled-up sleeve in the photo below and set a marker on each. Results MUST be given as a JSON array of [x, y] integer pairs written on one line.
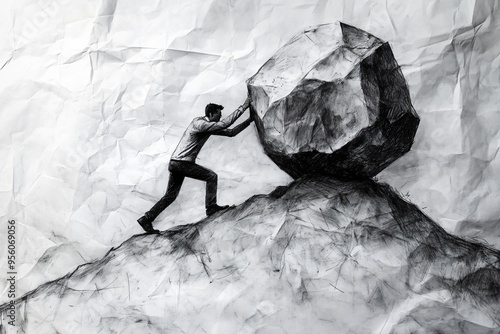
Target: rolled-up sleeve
[[201, 125]]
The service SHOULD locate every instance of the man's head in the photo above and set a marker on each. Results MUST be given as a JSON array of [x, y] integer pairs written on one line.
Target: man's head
[[213, 112]]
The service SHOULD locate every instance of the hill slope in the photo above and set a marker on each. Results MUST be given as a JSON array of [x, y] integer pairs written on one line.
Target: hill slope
[[320, 256]]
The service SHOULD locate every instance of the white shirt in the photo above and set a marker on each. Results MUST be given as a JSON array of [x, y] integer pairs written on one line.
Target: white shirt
[[197, 134]]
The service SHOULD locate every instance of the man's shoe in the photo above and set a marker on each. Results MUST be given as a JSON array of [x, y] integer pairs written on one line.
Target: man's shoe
[[215, 208], [147, 225]]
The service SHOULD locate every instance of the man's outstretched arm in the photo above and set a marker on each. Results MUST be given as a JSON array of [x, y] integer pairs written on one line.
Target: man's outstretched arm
[[234, 131], [205, 126]]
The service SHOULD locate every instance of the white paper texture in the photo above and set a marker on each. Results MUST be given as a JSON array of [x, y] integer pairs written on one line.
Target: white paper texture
[[96, 94]]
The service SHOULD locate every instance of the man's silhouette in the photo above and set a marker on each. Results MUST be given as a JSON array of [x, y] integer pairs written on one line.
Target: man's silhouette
[[183, 161]]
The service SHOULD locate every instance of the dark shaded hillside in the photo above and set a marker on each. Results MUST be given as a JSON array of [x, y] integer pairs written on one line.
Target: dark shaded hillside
[[320, 255]]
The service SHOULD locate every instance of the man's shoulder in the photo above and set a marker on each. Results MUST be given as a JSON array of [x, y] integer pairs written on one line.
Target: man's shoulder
[[201, 120], [196, 120], [198, 124]]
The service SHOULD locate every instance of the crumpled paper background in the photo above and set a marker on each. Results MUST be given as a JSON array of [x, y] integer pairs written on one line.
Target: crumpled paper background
[[95, 95]]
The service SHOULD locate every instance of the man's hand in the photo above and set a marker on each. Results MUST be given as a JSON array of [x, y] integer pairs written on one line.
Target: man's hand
[[247, 103]]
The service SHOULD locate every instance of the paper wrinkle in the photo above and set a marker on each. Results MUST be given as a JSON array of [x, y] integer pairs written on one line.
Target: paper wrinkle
[[95, 100]]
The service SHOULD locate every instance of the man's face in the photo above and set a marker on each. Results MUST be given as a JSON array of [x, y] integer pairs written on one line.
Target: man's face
[[216, 116]]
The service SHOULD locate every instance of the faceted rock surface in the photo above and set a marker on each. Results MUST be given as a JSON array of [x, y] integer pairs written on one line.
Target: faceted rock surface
[[333, 101]]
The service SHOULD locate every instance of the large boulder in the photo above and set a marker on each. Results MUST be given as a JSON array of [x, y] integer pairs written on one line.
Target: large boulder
[[333, 101]]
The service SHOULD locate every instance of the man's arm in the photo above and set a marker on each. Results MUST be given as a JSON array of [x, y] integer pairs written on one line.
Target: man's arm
[[205, 126], [234, 131], [202, 125]]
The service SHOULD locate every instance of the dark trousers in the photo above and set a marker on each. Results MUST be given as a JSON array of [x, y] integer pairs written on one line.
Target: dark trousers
[[178, 171]]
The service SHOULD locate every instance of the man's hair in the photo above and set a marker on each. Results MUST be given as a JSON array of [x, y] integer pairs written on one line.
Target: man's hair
[[212, 108]]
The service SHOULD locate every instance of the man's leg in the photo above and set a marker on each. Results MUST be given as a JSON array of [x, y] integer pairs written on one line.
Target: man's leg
[[195, 171], [174, 186]]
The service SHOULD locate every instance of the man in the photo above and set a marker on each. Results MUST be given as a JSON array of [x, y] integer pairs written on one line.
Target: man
[[183, 161]]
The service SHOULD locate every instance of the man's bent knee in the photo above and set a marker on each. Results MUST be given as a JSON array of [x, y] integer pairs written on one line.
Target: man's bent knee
[[169, 197]]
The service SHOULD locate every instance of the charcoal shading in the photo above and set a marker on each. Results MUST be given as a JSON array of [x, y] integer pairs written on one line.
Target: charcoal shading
[[333, 251], [333, 101], [329, 254]]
